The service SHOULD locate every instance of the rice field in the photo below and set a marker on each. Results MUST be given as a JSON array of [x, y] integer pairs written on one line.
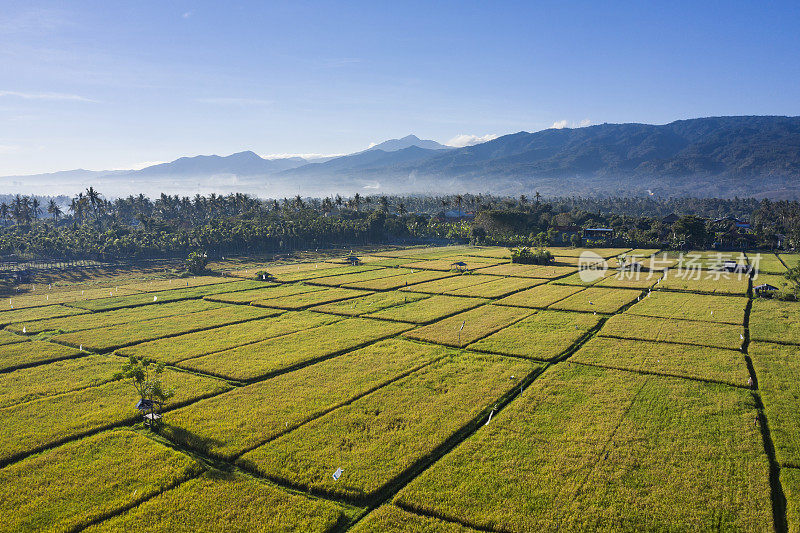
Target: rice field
[[399, 395]]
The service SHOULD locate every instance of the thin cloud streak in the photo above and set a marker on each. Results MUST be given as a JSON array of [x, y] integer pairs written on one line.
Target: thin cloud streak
[[47, 96], [234, 101]]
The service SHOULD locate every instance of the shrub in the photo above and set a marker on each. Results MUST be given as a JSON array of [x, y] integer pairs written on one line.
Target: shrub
[[196, 262], [526, 256]]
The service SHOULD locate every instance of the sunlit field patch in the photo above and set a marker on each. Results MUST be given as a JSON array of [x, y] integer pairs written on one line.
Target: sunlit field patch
[[308, 299], [766, 263], [260, 359], [69, 487], [38, 313], [790, 482], [336, 281], [246, 417], [646, 328], [429, 309], [175, 349], [776, 321], [42, 296], [712, 282], [598, 300], [392, 519], [665, 304], [791, 260], [576, 252], [528, 271], [6, 337], [378, 437], [453, 263], [498, 288], [451, 284], [689, 361], [265, 291], [540, 296], [23, 354], [403, 280], [370, 304], [218, 501], [544, 335], [629, 279], [498, 252], [653, 453], [322, 270], [464, 328]]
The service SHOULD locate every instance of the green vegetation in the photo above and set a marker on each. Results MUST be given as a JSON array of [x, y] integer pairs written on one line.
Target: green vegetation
[[46, 297], [544, 335], [23, 354], [498, 287], [218, 501], [378, 273], [117, 336], [766, 263], [244, 418], [525, 256], [31, 426], [539, 297], [528, 271], [391, 519], [395, 282], [450, 263], [308, 299], [775, 321], [597, 300], [370, 304], [429, 309], [653, 453], [791, 260], [697, 362], [260, 359], [451, 284], [312, 273], [174, 283], [69, 487], [196, 262], [265, 291], [727, 309], [714, 282], [717, 335], [464, 328], [379, 436], [38, 313], [790, 480], [6, 337], [174, 349], [630, 279]]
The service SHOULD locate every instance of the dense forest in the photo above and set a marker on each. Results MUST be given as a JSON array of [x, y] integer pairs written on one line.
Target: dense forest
[[91, 226]]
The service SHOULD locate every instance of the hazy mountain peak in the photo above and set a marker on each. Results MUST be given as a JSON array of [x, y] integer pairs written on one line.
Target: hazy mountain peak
[[393, 145]]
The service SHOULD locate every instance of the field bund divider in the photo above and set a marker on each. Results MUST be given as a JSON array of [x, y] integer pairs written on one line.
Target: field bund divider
[[777, 495]]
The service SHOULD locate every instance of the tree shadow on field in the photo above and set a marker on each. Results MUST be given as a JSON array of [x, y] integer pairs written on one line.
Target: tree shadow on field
[[192, 440]]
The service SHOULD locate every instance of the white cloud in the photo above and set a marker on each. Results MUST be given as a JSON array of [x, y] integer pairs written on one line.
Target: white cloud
[[304, 156], [234, 101], [559, 125], [371, 145], [187, 14], [585, 122], [46, 96], [459, 141]]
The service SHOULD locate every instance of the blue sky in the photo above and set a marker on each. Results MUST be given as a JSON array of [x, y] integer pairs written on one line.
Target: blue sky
[[105, 85]]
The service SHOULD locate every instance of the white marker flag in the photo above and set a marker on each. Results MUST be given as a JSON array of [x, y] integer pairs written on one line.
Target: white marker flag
[[490, 418], [741, 336], [155, 298], [337, 474], [24, 330], [462, 325]]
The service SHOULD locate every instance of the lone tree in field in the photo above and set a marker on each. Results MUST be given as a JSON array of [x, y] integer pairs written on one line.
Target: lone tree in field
[[196, 262], [145, 376]]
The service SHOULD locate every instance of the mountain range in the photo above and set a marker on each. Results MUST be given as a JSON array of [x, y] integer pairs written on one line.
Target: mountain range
[[717, 156]]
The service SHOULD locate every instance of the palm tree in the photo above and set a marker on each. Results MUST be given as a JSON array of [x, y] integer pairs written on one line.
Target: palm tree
[[537, 196], [459, 200], [94, 197], [357, 201], [54, 210], [35, 209]]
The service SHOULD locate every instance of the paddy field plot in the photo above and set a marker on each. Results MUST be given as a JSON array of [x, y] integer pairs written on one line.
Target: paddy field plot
[[646, 328], [378, 437], [707, 308], [599, 300], [431, 252], [22, 354], [31, 426], [392, 519], [38, 313], [777, 367], [630, 279], [766, 263], [709, 260], [6, 337], [173, 283], [264, 292], [681, 360], [492, 252], [324, 270], [309, 299], [775, 321], [528, 271], [396, 282], [218, 501], [370, 304], [429, 309], [584, 278], [111, 318], [448, 264], [172, 350], [791, 260], [540, 296], [605, 253], [120, 335], [790, 481], [591, 449], [464, 328], [497, 288], [246, 417], [369, 275], [263, 358], [451, 284], [43, 297], [711, 282], [544, 335], [69, 487]]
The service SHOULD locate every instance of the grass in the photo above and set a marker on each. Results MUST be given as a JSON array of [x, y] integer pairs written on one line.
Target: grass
[[476, 323], [429, 309], [498, 288], [309, 299], [791, 260], [218, 501], [776, 321], [451, 284], [528, 271], [391, 519], [271, 290], [591, 449], [447, 264], [246, 417], [44, 297], [710, 282], [260, 359], [663, 304], [120, 335], [38, 313], [630, 279], [118, 302], [544, 335], [326, 270], [110, 318], [697, 362], [766, 263], [540, 297], [369, 304], [58, 377], [598, 300], [67, 488], [378, 437], [576, 252], [29, 353], [790, 481], [174, 283], [499, 252], [647, 328], [776, 367], [378, 273], [6, 337], [395, 282], [31, 426], [175, 349]]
